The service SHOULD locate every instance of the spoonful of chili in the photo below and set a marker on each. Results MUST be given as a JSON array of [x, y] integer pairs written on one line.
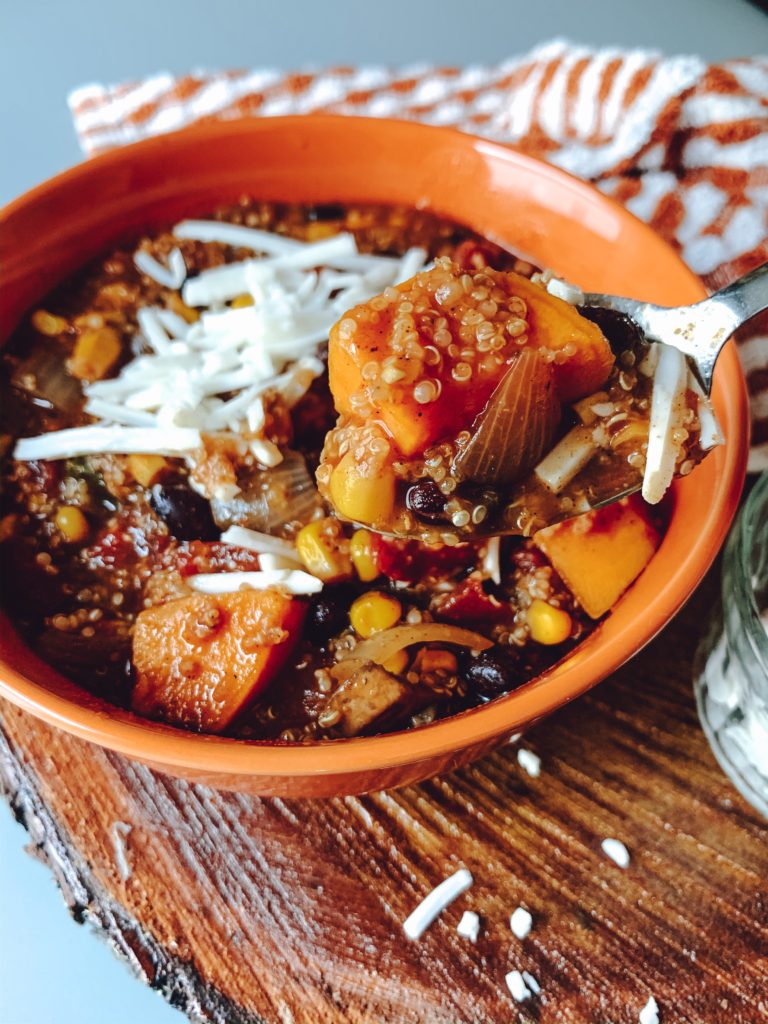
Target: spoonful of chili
[[485, 403]]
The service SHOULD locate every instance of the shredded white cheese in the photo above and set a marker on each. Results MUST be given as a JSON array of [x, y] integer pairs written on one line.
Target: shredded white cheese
[[435, 903], [710, 434], [266, 452], [566, 291], [76, 441], [261, 543], [270, 562], [117, 414], [531, 982], [517, 987], [617, 852], [120, 830], [529, 762], [649, 1013], [153, 331], [210, 377], [172, 276], [236, 235], [668, 406], [469, 926], [491, 565], [176, 326], [520, 922], [292, 581]]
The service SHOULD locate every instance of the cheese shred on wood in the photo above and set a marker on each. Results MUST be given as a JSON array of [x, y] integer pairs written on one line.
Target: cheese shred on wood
[[435, 903]]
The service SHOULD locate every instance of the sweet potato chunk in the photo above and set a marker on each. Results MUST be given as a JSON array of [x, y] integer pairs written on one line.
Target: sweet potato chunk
[[426, 362], [600, 553], [555, 324], [203, 659], [413, 427]]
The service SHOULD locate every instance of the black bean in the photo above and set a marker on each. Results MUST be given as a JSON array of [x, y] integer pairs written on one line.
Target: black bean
[[493, 672], [325, 211], [186, 513], [328, 615], [426, 500], [491, 588]]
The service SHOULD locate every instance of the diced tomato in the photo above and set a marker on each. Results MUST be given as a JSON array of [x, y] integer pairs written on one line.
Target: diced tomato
[[470, 603], [128, 539], [113, 548], [409, 561], [45, 474]]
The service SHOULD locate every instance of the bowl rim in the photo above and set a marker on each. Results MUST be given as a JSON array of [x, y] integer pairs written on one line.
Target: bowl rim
[[215, 755]]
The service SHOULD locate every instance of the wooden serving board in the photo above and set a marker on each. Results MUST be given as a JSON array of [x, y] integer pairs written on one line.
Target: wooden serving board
[[246, 910]]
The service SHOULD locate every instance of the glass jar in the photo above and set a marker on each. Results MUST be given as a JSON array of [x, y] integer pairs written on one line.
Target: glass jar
[[731, 665]]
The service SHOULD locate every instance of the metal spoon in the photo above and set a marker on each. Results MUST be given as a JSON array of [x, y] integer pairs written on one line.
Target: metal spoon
[[699, 331]]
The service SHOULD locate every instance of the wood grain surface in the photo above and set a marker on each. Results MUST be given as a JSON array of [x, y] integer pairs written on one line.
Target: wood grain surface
[[245, 910]]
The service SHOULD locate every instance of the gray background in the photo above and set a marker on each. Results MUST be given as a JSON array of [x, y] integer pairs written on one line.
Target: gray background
[[52, 972], [49, 46]]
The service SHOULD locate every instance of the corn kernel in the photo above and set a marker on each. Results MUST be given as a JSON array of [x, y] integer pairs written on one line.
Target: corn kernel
[[180, 308], [95, 353], [363, 499], [397, 664], [321, 547], [373, 612], [8, 526], [433, 661], [548, 625], [362, 550], [360, 219], [48, 323], [319, 229], [145, 469], [71, 524], [241, 301]]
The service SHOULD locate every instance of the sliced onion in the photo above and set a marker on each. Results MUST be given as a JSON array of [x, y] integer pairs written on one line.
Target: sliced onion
[[382, 646], [516, 427], [272, 498], [43, 374]]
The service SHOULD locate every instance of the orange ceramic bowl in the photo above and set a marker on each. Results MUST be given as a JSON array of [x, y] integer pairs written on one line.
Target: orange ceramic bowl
[[541, 212]]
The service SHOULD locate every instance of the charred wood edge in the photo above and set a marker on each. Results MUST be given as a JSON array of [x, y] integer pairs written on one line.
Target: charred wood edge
[[178, 981]]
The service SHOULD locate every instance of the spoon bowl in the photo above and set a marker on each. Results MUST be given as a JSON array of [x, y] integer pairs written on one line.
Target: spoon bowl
[[652, 421]]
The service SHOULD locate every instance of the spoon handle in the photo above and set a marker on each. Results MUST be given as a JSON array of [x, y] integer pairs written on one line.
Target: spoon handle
[[745, 297], [699, 331], [730, 307]]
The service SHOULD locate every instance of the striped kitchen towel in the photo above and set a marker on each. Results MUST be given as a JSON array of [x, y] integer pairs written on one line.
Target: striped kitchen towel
[[681, 143]]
